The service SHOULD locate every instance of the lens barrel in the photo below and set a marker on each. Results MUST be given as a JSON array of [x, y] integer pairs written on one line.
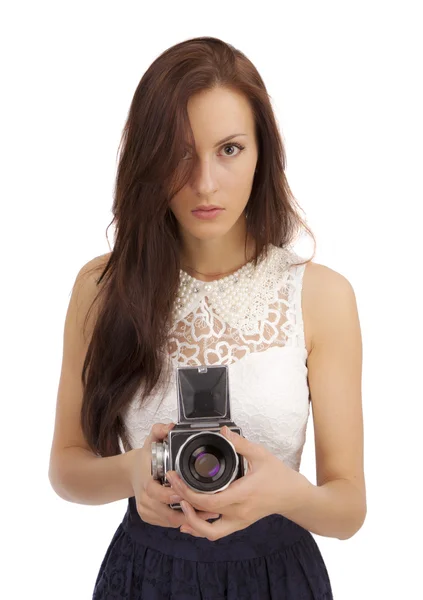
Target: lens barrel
[[157, 460], [207, 462]]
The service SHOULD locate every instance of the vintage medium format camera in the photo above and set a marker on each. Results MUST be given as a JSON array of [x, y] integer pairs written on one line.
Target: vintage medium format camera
[[204, 459]]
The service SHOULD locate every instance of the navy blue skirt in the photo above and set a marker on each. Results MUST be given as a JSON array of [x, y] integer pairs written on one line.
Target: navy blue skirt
[[273, 558]]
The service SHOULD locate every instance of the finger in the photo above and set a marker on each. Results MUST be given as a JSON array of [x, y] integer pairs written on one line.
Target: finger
[[211, 531], [196, 499], [190, 531], [251, 451], [169, 517], [160, 493], [234, 494], [158, 514], [178, 518], [207, 515], [158, 432]]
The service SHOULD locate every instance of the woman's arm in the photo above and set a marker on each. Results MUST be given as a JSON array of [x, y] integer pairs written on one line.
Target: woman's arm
[[335, 509], [336, 506], [76, 473], [80, 476]]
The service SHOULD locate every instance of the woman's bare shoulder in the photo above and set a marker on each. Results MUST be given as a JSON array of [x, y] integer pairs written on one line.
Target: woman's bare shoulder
[[94, 267], [323, 289], [98, 262], [86, 286]]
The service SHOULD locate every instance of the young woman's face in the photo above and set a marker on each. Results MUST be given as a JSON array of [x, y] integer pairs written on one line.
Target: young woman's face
[[224, 171]]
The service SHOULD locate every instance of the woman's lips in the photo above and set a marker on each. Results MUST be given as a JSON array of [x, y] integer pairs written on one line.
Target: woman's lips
[[207, 214]]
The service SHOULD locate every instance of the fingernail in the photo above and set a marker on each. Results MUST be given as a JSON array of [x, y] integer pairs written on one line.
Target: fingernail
[[183, 507], [175, 499]]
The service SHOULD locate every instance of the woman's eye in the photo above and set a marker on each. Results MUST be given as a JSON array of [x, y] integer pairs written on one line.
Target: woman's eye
[[240, 148]]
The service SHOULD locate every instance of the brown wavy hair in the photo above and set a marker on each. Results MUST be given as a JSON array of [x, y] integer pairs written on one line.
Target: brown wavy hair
[[140, 279]]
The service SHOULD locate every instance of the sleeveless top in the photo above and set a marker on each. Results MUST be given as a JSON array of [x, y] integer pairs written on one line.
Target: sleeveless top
[[251, 321]]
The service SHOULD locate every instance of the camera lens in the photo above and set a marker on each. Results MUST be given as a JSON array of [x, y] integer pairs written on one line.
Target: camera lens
[[207, 465], [207, 462]]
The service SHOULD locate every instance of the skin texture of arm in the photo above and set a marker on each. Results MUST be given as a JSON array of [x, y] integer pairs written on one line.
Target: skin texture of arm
[[336, 506]]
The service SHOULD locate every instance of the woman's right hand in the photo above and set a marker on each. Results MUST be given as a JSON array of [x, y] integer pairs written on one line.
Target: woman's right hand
[[153, 498]]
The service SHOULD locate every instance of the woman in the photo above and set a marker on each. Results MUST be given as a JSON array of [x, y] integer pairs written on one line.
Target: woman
[[203, 273]]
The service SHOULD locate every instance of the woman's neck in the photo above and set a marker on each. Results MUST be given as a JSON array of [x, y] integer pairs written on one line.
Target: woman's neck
[[208, 260]]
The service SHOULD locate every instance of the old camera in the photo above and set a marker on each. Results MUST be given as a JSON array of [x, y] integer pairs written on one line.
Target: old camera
[[204, 459]]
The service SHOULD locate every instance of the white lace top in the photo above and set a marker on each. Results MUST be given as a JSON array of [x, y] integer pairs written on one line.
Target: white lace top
[[251, 321]]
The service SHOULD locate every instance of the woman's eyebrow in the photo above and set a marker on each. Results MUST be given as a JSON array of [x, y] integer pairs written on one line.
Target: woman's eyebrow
[[226, 139]]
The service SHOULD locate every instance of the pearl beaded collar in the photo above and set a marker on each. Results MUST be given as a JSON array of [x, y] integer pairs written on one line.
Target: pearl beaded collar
[[230, 296]]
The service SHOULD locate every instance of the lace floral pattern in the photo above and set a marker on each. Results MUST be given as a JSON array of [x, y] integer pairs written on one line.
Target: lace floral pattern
[[202, 336], [242, 298], [266, 357]]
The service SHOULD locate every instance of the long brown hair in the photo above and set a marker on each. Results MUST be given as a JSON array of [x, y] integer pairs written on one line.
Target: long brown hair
[[140, 279]]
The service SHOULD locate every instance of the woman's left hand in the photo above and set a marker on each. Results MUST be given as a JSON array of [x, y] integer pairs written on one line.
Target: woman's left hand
[[269, 487]]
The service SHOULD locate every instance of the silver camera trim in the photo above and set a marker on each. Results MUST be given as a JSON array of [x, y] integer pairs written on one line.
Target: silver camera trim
[[159, 459], [191, 437]]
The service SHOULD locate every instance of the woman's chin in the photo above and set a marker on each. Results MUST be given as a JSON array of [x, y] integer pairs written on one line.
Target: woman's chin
[[207, 231], [213, 235]]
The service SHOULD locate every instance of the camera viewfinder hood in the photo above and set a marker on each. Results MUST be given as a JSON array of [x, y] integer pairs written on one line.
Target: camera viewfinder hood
[[203, 394]]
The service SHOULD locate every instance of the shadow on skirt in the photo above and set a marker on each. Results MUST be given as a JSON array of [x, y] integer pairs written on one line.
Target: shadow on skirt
[[273, 559]]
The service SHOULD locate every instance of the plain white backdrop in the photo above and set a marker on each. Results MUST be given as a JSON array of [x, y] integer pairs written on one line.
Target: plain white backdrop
[[345, 80]]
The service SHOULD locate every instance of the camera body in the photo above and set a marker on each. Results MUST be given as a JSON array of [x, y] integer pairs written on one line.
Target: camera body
[[204, 459]]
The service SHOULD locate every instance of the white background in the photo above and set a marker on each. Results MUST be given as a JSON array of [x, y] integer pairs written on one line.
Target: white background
[[345, 80]]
